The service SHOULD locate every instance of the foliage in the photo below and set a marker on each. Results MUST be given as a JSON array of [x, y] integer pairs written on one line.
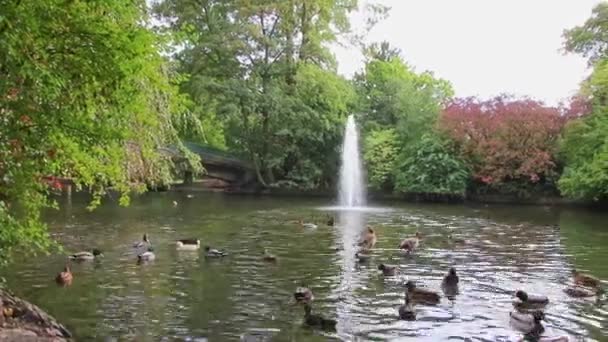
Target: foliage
[[83, 83], [431, 168], [396, 100], [590, 40], [380, 153], [505, 139], [261, 74]]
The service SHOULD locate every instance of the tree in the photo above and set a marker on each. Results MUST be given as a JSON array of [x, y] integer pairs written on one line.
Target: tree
[[505, 140], [432, 170], [590, 40], [244, 61], [84, 89], [395, 102]]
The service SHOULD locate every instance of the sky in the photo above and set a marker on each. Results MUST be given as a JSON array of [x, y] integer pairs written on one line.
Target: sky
[[484, 47]]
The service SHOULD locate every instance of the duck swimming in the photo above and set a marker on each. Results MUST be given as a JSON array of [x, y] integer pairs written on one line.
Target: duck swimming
[[269, 257], [369, 238], [528, 323], [387, 270], [331, 221], [64, 277], [406, 311], [318, 321], [145, 242], [86, 256], [585, 279], [303, 295], [449, 284], [362, 257], [410, 244], [419, 295], [307, 225], [148, 255], [214, 253], [188, 244], [528, 301]]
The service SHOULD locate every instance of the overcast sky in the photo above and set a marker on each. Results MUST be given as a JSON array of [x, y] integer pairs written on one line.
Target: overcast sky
[[484, 47]]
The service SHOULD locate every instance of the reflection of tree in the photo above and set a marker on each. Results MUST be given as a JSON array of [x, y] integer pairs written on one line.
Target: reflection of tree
[[585, 237]]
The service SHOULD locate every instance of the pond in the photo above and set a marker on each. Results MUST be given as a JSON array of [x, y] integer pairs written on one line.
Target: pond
[[184, 296]]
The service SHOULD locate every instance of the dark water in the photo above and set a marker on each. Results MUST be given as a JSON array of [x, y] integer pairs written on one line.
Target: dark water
[[183, 296]]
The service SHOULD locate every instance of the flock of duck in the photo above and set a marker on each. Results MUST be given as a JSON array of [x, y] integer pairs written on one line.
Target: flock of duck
[[526, 317]]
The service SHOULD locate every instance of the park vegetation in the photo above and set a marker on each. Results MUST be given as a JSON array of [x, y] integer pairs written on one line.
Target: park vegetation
[[93, 91]]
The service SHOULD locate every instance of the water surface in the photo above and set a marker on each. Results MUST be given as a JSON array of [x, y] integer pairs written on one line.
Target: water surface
[[183, 296]]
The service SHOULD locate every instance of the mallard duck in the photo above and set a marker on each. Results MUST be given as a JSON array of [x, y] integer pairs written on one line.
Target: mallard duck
[[585, 279], [307, 225], [580, 292], [214, 253], [417, 294], [268, 256], [303, 295], [65, 277], [362, 257], [449, 284], [148, 255], [387, 270], [331, 221], [528, 301], [406, 311], [188, 244], [86, 256], [369, 238], [528, 323], [145, 242], [410, 244], [318, 321]]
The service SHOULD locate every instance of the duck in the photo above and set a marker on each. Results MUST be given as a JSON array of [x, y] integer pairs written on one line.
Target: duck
[[449, 284], [369, 238], [307, 225], [528, 301], [580, 292], [362, 257], [417, 294], [189, 196], [214, 253], [145, 242], [148, 255], [406, 311], [268, 256], [331, 221], [585, 279], [528, 322], [387, 270], [410, 244], [86, 256], [188, 244], [303, 295], [175, 203], [318, 321], [65, 277]]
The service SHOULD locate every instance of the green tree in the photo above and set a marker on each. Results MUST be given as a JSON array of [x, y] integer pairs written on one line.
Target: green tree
[[401, 103], [84, 95], [584, 146], [432, 169]]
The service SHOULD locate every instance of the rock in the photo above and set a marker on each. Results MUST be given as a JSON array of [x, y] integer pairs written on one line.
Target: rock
[[24, 321]]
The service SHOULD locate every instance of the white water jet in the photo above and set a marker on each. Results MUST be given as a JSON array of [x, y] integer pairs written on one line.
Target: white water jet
[[351, 190]]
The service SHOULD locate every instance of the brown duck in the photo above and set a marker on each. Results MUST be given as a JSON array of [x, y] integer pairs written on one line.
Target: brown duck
[[410, 244], [65, 277], [585, 279], [368, 240], [387, 270], [419, 295]]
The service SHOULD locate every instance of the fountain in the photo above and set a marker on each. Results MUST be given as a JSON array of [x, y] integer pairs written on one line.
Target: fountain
[[351, 188]]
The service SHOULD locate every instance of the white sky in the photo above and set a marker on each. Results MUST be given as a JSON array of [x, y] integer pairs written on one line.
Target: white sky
[[484, 47]]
